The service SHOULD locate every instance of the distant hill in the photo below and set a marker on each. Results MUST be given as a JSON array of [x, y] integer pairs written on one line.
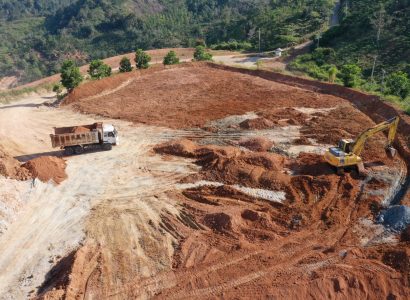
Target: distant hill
[[37, 35]]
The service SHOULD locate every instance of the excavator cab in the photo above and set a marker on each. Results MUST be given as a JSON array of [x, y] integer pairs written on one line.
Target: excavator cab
[[346, 145]]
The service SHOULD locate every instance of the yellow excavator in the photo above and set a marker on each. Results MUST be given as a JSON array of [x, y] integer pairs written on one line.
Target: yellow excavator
[[347, 153]]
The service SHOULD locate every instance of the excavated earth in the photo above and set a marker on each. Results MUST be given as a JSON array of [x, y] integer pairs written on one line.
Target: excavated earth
[[240, 203]]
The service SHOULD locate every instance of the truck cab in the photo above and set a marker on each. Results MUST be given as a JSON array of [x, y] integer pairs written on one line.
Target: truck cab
[[110, 135]]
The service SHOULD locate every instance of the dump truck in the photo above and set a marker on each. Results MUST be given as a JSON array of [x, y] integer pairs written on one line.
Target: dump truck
[[77, 139]]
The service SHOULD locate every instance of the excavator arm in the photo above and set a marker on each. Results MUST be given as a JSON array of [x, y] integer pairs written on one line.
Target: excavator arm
[[390, 124]]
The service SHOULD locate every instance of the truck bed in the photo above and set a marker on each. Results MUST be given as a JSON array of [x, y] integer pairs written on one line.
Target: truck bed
[[76, 135]]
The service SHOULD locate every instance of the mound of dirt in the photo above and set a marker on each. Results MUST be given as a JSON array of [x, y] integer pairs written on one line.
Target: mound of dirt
[[219, 222], [250, 215], [258, 123], [183, 147], [286, 116], [311, 164], [230, 165], [302, 141], [258, 144], [11, 168], [80, 129], [47, 168]]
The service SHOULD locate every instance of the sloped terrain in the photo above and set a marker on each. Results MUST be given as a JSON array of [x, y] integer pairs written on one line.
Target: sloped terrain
[[205, 217]]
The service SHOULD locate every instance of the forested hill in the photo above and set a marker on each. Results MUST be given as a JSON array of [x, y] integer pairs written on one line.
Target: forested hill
[[37, 35], [373, 28]]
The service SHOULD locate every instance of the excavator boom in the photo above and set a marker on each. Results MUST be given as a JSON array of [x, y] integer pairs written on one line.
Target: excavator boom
[[390, 124]]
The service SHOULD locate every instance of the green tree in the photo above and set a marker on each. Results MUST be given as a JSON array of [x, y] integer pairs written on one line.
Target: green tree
[[57, 88], [70, 75], [351, 75], [200, 54], [398, 84], [98, 69], [125, 65], [332, 73], [142, 59], [171, 58]]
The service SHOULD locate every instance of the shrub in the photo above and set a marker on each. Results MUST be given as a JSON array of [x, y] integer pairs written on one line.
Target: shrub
[[70, 75], [98, 69], [332, 73], [200, 54], [142, 59], [125, 65], [398, 84], [171, 58], [58, 88], [232, 45], [351, 75], [200, 42]]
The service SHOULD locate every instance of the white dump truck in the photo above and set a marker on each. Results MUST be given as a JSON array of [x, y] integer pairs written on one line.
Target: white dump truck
[[77, 139]]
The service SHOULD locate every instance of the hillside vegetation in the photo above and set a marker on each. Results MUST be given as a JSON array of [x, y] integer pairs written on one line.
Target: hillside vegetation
[[38, 35], [374, 35]]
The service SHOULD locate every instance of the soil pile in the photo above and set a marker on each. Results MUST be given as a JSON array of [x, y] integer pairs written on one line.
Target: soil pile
[[230, 165], [11, 167], [219, 222], [47, 168], [285, 116], [80, 129], [258, 123], [258, 144]]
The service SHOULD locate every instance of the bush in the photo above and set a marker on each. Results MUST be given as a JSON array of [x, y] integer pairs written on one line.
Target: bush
[[142, 59], [232, 45], [57, 88], [200, 54], [125, 65], [70, 75], [398, 84], [332, 73], [200, 42], [98, 69], [171, 58], [351, 75]]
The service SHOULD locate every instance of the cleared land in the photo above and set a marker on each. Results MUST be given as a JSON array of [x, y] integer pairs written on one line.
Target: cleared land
[[184, 209]]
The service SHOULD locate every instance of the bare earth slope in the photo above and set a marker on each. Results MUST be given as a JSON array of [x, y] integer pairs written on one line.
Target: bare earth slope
[[180, 210]]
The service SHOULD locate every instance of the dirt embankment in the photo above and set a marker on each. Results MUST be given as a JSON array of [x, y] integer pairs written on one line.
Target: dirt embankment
[[45, 168], [370, 105], [187, 96]]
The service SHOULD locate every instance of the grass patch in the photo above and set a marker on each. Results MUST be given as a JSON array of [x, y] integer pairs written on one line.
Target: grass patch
[[7, 96]]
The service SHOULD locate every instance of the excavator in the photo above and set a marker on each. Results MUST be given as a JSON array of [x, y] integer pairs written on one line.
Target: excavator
[[347, 153]]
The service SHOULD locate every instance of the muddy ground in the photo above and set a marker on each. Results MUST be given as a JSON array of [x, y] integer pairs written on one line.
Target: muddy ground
[[218, 189]]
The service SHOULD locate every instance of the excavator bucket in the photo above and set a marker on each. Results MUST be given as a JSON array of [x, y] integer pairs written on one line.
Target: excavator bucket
[[391, 152]]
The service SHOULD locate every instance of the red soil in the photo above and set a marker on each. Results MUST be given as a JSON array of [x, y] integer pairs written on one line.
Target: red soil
[[47, 168], [258, 144], [232, 245], [188, 95], [80, 129], [11, 167]]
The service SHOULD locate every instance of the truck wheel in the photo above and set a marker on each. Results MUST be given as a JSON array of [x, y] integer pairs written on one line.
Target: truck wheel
[[107, 147], [78, 150], [68, 151]]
